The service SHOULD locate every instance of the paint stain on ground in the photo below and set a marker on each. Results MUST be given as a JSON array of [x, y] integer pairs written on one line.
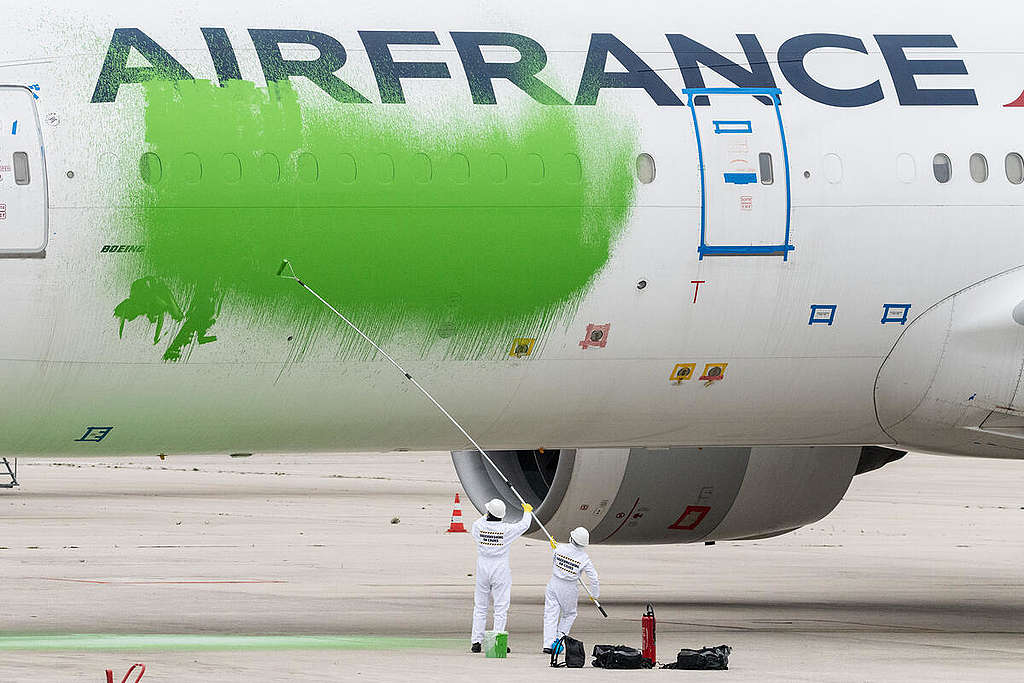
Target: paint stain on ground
[[465, 233]]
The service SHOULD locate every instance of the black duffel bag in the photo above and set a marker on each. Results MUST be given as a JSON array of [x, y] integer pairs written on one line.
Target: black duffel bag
[[619, 657], [706, 658]]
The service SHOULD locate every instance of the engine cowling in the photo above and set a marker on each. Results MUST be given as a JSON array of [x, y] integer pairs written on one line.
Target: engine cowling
[[673, 495]]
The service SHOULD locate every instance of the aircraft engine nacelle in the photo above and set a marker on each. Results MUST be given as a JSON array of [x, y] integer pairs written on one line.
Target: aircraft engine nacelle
[[672, 495]]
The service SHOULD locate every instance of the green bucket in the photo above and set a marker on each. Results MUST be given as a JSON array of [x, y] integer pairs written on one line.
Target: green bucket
[[496, 644]]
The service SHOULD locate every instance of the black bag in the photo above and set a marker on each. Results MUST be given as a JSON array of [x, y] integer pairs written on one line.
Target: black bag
[[619, 657], [575, 655], [706, 658]]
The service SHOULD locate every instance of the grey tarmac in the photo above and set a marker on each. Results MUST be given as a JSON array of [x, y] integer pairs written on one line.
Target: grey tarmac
[[288, 568]]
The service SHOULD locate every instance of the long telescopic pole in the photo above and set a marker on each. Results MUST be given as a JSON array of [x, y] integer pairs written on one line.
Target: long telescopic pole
[[290, 275]]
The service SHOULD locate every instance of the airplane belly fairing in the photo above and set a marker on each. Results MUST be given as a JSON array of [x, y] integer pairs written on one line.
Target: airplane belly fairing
[[953, 381]]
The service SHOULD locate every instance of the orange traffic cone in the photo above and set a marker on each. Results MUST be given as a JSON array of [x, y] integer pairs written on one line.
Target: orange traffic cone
[[456, 526]]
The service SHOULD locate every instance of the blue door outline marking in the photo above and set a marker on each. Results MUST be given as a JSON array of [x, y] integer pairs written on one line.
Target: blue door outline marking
[[705, 249]]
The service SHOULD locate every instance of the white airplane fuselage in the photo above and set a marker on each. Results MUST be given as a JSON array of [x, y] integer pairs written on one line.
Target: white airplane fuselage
[[492, 228]]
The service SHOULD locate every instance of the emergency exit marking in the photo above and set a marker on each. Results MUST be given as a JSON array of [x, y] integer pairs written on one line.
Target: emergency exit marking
[[691, 517], [682, 372], [3, 212]]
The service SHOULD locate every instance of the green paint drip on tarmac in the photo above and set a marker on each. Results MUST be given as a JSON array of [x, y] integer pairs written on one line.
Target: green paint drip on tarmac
[[462, 229], [75, 642]]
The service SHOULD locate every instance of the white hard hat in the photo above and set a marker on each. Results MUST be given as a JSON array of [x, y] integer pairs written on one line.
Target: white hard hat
[[496, 507], [580, 537]]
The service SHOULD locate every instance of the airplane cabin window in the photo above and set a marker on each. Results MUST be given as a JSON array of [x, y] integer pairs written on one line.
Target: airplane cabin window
[[270, 168], [943, 168], [1015, 168], [347, 170], [150, 168], [979, 168], [572, 168], [191, 168], [906, 168], [21, 172], [646, 171], [459, 166], [764, 160], [497, 168], [385, 169], [833, 166], [231, 168], [423, 168], [535, 168], [308, 168]]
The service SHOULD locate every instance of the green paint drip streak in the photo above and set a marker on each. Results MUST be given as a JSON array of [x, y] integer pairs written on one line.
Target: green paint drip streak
[[466, 232], [195, 642]]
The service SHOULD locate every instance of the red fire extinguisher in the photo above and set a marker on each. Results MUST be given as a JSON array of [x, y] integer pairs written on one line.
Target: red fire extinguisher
[[647, 627]]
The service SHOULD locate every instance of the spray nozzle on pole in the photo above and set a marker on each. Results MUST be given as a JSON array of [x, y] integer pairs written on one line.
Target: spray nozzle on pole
[[286, 265]]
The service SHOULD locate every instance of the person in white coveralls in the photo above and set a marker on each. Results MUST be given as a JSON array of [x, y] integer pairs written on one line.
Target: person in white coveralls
[[560, 597], [493, 574]]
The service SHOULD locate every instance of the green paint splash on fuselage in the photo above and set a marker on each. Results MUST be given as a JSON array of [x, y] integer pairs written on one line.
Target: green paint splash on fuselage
[[464, 232], [151, 298]]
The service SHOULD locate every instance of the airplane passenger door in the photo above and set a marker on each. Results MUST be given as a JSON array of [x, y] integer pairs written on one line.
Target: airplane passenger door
[[23, 191], [744, 166]]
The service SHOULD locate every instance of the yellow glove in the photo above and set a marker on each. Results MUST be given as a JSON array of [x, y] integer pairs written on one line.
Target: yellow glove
[[527, 507], [553, 544]]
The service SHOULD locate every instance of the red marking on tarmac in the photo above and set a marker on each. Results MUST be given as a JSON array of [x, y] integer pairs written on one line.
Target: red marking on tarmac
[[626, 519], [158, 582], [140, 666], [1019, 102], [697, 288]]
